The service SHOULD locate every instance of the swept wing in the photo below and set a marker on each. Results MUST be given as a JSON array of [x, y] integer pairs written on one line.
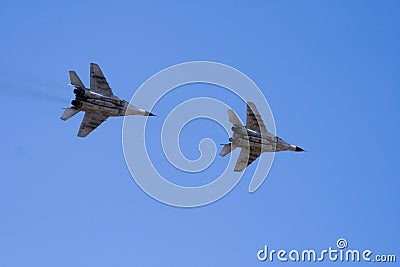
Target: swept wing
[[254, 120], [246, 157], [90, 122], [98, 82]]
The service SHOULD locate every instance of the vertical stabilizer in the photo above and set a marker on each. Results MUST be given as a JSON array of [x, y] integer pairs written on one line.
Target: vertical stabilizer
[[75, 79], [233, 118]]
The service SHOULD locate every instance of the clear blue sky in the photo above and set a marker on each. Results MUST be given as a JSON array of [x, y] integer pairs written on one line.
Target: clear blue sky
[[329, 69]]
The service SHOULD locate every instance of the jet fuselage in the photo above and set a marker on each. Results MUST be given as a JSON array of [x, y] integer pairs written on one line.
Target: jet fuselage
[[267, 142], [86, 100]]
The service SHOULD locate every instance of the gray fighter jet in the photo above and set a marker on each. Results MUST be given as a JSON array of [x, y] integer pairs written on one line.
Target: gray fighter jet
[[98, 102], [253, 138]]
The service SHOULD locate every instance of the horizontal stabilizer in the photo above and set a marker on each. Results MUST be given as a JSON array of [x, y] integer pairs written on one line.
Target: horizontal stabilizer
[[233, 118], [68, 113], [226, 150], [75, 79]]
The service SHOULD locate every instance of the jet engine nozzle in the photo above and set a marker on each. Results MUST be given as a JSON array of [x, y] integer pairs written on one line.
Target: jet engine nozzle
[[79, 92], [76, 103]]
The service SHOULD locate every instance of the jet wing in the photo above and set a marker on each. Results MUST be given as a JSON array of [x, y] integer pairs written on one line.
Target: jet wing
[[254, 120], [90, 122], [98, 82], [246, 157]]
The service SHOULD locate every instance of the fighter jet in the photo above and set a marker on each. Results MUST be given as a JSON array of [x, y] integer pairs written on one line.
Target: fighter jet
[[253, 138], [98, 102]]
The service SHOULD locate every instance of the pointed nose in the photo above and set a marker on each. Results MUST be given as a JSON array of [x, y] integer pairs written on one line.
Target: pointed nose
[[298, 149], [132, 110]]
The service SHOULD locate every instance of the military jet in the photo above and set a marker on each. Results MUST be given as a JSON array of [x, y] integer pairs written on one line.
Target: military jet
[[253, 138], [98, 102]]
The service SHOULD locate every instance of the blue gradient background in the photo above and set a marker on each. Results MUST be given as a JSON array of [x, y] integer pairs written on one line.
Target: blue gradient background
[[329, 69]]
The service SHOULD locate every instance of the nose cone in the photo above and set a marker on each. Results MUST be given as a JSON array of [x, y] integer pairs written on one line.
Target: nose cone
[[131, 110], [298, 149]]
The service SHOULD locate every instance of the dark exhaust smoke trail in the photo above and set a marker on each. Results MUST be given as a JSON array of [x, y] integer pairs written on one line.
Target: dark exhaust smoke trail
[[28, 86], [30, 92]]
